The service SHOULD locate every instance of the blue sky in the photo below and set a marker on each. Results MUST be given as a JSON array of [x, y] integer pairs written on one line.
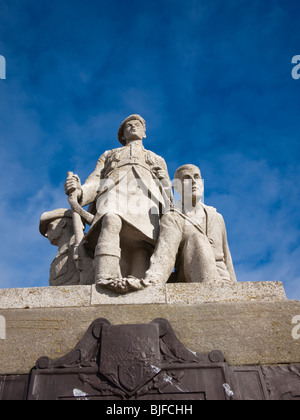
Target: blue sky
[[211, 78]]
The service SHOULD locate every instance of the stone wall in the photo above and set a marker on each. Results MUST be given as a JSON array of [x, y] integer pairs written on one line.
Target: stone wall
[[251, 323]]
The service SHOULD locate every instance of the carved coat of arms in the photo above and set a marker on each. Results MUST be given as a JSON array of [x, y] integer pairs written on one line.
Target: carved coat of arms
[[130, 357]]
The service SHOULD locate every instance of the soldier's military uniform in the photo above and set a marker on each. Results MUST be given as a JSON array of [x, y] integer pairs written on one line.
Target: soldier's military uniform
[[125, 183]]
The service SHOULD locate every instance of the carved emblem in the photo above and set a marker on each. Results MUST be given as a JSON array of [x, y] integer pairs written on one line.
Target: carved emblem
[[130, 355], [131, 376]]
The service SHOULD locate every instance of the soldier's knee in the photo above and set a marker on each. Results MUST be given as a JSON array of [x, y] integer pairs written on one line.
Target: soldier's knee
[[169, 219], [112, 221]]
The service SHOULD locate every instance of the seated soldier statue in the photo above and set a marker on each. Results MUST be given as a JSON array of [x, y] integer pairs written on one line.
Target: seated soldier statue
[[128, 191]]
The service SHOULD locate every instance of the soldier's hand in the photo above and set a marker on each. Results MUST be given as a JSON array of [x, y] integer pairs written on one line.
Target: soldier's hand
[[73, 184], [159, 172]]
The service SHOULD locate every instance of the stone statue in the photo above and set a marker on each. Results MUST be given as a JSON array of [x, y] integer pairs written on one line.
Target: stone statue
[[128, 192], [57, 226], [192, 238], [136, 235]]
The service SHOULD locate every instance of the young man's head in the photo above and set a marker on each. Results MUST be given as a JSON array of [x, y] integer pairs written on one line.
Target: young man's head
[[189, 183]]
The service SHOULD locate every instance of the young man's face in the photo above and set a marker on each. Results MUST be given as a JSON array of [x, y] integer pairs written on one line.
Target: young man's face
[[192, 184], [134, 130]]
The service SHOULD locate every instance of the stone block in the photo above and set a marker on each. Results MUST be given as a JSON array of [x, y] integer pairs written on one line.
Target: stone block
[[181, 293], [251, 323], [45, 297], [193, 293], [246, 332]]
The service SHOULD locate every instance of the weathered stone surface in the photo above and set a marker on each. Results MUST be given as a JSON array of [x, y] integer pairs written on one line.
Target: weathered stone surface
[[246, 332], [152, 295], [45, 297], [184, 293], [193, 293]]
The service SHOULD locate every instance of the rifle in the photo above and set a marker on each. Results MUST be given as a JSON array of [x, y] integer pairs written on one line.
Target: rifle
[[78, 213]]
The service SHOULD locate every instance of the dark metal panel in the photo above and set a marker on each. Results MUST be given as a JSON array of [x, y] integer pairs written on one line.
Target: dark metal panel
[[249, 383], [13, 387], [147, 362]]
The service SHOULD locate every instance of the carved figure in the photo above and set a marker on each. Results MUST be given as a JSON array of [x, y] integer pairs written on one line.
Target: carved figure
[[128, 191], [192, 238], [65, 269], [57, 226]]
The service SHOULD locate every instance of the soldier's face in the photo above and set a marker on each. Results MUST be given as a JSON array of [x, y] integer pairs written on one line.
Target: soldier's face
[[54, 231], [134, 130]]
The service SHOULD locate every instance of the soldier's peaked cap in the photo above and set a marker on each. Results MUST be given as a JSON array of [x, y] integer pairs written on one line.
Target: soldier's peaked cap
[[49, 216]]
